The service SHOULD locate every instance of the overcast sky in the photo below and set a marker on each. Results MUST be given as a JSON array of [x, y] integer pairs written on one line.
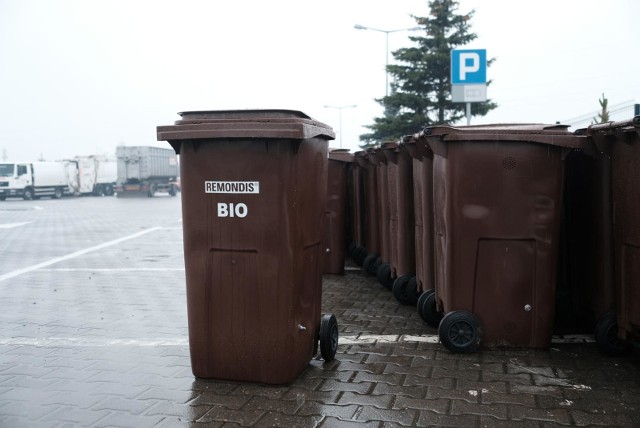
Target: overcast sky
[[79, 77]]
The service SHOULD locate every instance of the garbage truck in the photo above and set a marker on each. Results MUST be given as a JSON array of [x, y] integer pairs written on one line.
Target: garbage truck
[[31, 180], [95, 175], [146, 170]]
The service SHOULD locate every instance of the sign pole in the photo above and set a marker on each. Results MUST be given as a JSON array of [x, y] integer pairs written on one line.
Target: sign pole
[[468, 114]]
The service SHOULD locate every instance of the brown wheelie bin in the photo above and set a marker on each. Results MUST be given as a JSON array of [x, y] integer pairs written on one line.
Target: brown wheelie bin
[[337, 209], [497, 210], [371, 247], [585, 291], [355, 191], [621, 141], [401, 223], [253, 197], [422, 157], [377, 261]]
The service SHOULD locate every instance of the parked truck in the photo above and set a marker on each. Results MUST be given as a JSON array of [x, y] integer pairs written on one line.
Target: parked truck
[[31, 180], [145, 170], [92, 175]]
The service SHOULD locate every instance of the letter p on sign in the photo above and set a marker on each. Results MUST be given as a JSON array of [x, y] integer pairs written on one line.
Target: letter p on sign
[[468, 66]]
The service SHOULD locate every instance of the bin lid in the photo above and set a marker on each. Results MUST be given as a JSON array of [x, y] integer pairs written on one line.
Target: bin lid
[[601, 135], [341, 155], [555, 135], [263, 124]]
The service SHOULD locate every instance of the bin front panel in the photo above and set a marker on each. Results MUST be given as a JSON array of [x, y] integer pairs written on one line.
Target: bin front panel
[[371, 203], [406, 253], [626, 208], [335, 219], [423, 231], [497, 208], [252, 240]]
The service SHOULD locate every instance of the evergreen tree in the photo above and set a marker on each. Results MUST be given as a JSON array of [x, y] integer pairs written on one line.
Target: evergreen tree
[[421, 85], [603, 116]]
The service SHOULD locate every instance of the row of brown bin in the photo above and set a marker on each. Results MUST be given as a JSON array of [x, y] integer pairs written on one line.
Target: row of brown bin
[[500, 234]]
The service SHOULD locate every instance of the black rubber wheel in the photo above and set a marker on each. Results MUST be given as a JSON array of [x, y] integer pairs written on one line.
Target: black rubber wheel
[[427, 308], [460, 332], [607, 335], [3, 198], [400, 289], [172, 190], [359, 255], [108, 190], [328, 337], [57, 193], [28, 194], [370, 263], [384, 275]]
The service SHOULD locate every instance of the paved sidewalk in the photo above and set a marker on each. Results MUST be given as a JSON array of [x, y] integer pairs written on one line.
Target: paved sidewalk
[[100, 340]]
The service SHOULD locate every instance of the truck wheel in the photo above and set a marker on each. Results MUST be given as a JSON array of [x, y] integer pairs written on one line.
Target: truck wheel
[[172, 190], [108, 190], [328, 337], [28, 194], [57, 193], [99, 190], [152, 190], [3, 198]]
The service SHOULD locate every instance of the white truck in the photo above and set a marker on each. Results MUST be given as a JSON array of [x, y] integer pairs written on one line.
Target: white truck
[[31, 180], [92, 175]]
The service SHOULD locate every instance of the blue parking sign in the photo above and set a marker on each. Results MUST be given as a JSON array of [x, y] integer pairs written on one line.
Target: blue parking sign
[[468, 66]]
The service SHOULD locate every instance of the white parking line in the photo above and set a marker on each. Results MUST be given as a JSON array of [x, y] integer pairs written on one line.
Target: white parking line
[[12, 225], [74, 254]]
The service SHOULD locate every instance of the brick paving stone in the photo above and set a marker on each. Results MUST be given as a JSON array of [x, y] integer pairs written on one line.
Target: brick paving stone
[[287, 407], [434, 405], [331, 422], [343, 412], [460, 407], [428, 418], [223, 400], [277, 419], [416, 392], [497, 387], [402, 417], [223, 414], [360, 387], [379, 401], [560, 416]]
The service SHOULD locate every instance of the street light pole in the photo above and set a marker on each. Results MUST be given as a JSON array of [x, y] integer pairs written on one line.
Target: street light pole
[[340, 108], [386, 32]]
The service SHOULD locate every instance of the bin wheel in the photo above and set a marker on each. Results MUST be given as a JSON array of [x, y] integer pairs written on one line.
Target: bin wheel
[[427, 308], [370, 263], [607, 335], [384, 275], [328, 337], [359, 255], [460, 332], [399, 288]]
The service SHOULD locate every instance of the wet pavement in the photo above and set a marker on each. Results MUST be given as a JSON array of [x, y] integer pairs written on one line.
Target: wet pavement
[[93, 332]]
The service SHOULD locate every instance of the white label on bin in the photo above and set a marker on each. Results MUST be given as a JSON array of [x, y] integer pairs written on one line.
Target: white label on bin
[[232, 187]]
